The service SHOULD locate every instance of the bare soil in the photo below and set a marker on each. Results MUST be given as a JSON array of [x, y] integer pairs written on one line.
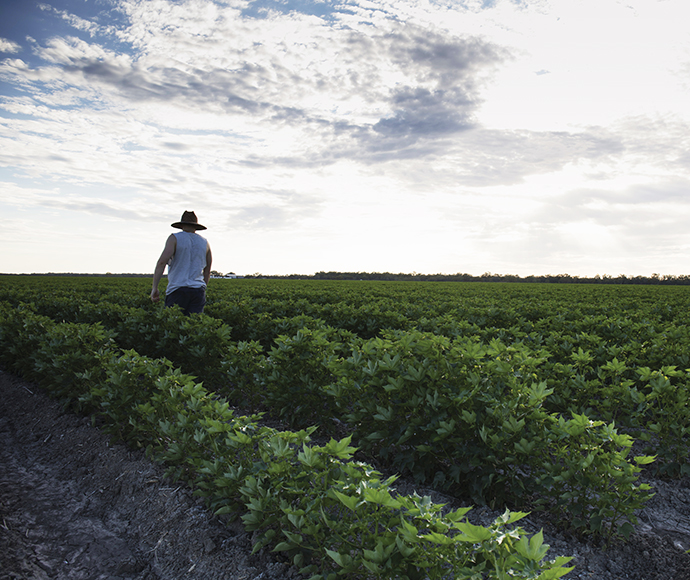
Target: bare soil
[[74, 505]]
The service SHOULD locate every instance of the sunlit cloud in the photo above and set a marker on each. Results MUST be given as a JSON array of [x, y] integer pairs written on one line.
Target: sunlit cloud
[[9, 47]]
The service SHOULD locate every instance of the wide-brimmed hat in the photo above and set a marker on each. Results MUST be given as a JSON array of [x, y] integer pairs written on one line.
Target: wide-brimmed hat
[[188, 219]]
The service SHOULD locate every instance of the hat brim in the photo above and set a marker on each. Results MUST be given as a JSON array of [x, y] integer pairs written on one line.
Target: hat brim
[[180, 225]]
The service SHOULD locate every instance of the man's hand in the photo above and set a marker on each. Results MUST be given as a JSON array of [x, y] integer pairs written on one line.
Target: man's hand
[[155, 295]]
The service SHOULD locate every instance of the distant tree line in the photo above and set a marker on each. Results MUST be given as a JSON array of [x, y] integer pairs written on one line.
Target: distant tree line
[[667, 279], [487, 277], [81, 274]]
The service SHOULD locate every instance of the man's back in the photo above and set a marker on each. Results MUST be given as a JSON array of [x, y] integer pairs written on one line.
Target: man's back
[[186, 269]]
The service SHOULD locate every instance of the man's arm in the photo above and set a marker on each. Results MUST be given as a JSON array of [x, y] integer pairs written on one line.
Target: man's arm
[[209, 259], [168, 253]]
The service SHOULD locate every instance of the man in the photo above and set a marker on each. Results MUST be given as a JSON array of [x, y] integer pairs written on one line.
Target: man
[[188, 257]]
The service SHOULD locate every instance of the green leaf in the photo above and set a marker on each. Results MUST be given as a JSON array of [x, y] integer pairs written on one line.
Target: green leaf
[[284, 546], [404, 549], [533, 548], [348, 501], [471, 533], [626, 529], [381, 497], [341, 449], [556, 569], [508, 517], [343, 560]]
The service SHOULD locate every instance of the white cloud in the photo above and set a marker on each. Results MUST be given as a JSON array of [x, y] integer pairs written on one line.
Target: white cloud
[[9, 46]]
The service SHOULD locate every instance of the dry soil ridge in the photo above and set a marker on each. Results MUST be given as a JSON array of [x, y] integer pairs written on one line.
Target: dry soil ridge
[[74, 506]]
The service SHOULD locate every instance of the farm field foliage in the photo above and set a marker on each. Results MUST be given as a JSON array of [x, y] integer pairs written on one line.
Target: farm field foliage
[[531, 396]]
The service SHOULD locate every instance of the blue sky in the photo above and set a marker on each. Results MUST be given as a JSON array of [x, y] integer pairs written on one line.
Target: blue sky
[[507, 136]]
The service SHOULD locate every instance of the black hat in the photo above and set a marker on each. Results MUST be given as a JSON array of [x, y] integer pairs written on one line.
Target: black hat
[[188, 219]]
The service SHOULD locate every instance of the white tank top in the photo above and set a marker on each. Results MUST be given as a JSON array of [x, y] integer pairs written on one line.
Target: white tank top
[[186, 268]]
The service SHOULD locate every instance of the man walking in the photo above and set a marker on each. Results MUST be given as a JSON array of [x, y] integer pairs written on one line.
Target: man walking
[[188, 257]]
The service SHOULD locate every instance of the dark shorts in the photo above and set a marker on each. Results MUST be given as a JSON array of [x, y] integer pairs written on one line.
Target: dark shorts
[[191, 300]]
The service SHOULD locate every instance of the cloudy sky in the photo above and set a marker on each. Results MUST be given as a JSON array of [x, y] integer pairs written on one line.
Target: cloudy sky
[[506, 136]]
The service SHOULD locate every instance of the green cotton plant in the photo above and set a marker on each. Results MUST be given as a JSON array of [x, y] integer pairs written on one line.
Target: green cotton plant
[[220, 480], [199, 436], [129, 380], [69, 357], [615, 400], [365, 320], [667, 347], [266, 327], [393, 392], [333, 518], [61, 308], [414, 541], [574, 383], [235, 312], [295, 374], [286, 493], [149, 403], [606, 392], [588, 481], [454, 414], [22, 333], [667, 418], [243, 368], [79, 309], [447, 325], [501, 552], [196, 344]]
